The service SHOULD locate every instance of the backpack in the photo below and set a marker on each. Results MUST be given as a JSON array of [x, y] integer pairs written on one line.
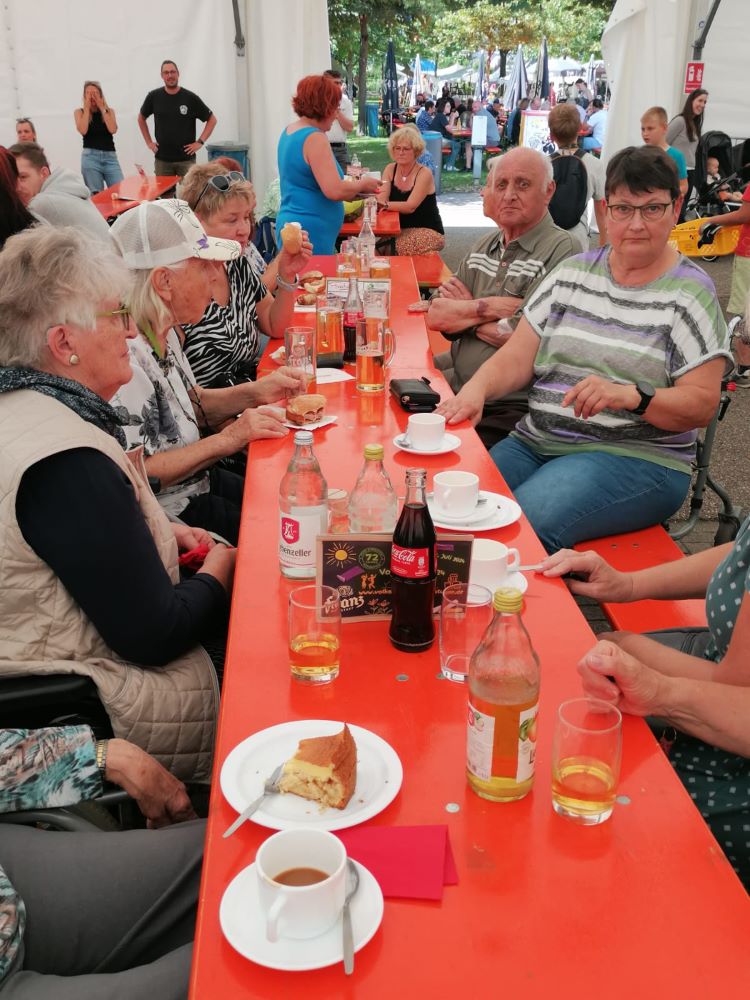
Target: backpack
[[264, 239], [572, 192]]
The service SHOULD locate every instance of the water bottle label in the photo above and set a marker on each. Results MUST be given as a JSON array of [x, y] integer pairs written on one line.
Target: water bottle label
[[410, 564], [297, 536]]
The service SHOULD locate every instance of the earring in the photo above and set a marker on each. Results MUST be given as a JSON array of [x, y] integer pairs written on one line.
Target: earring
[[74, 359]]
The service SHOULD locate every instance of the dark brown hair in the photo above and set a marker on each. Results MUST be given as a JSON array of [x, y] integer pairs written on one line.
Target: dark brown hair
[[693, 122], [32, 152], [14, 216], [642, 169]]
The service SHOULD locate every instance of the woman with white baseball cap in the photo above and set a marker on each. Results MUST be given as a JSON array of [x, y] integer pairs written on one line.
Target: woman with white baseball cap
[[186, 430]]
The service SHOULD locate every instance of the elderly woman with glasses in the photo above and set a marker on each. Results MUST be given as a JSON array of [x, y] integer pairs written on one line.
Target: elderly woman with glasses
[[224, 345], [89, 579], [409, 189], [623, 348]]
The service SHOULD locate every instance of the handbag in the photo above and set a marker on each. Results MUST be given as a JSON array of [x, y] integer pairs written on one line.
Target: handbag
[[414, 394]]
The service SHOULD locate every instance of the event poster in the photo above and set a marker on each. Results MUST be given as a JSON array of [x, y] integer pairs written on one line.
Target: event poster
[[535, 131]]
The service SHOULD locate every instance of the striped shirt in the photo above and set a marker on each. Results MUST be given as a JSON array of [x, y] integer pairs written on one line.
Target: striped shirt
[[590, 325], [224, 345]]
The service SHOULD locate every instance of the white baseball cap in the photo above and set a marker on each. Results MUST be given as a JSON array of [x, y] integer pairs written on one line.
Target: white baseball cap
[[164, 232]]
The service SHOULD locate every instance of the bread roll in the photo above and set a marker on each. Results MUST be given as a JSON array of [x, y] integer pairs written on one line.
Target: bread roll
[[291, 237], [305, 409], [313, 281]]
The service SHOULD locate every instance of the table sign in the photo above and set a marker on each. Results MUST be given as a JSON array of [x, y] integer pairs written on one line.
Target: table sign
[[359, 567], [338, 288], [479, 130]]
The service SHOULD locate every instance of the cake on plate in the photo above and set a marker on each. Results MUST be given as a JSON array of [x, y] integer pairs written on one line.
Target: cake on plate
[[324, 769]]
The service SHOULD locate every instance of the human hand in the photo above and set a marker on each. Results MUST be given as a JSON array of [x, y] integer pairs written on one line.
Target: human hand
[[219, 563], [594, 394], [281, 384], [251, 425], [467, 405], [600, 580], [192, 148], [162, 798], [189, 538], [369, 185], [609, 673], [292, 264], [153, 146], [454, 289]]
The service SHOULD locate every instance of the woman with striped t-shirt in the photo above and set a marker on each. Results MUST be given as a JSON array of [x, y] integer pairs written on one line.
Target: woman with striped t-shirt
[[624, 348]]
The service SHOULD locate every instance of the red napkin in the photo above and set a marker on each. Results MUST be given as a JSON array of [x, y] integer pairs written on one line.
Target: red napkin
[[413, 862], [194, 559]]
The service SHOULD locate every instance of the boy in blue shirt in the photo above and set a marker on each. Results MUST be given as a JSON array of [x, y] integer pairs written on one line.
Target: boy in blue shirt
[[654, 133]]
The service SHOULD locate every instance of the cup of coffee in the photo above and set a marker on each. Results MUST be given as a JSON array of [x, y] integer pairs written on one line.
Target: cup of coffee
[[456, 493], [425, 431], [302, 882], [491, 563]]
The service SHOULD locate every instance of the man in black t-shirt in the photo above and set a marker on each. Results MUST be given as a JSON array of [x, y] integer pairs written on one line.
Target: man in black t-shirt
[[175, 112]]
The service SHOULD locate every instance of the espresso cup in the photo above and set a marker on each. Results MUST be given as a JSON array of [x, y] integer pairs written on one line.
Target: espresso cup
[[456, 493], [491, 563], [425, 431], [301, 911]]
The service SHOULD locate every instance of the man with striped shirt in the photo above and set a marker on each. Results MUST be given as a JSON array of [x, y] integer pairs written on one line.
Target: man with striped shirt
[[479, 307]]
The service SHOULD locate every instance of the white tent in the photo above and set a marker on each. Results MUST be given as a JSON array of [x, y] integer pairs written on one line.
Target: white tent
[[646, 45], [49, 47]]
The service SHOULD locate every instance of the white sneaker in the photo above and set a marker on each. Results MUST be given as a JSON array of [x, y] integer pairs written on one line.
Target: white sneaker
[[742, 379]]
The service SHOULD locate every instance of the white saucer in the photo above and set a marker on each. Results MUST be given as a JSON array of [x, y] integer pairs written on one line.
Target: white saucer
[[450, 442], [516, 580], [244, 926], [503, 511], [480, 512]]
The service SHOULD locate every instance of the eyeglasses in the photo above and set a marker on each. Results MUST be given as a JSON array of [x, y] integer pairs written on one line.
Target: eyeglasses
[[221, 182], [649, 213], [123, 312]]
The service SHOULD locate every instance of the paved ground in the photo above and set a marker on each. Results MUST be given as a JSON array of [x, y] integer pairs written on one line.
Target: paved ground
[[730, 462]]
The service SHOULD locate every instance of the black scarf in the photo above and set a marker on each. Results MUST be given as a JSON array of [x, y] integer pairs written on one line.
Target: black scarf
[[75, 396]]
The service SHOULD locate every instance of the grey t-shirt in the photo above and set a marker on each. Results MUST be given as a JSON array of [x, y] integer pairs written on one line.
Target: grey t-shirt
[[677, 136]]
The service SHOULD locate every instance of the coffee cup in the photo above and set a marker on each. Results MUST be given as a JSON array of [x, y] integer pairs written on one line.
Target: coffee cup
[[425, 431], [302, 882], [456, 493], [491, 563]]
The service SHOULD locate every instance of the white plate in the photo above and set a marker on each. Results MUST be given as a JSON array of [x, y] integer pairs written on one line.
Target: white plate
[[279, 355], [516, 580], [503, 511], [244, 926], [480, 513], [379, 776], [311, 427], [450, 442]]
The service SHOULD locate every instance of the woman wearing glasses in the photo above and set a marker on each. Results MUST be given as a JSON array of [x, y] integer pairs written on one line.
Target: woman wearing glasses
[[223, 347], [97, 123], [624, 348]]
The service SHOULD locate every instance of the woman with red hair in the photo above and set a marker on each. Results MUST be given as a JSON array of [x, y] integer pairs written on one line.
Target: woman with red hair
[[313, 188], [14, 216]]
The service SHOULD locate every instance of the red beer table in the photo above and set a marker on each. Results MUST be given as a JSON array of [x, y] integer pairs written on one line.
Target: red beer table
[[113, 201], [643, 905], [386, 224]]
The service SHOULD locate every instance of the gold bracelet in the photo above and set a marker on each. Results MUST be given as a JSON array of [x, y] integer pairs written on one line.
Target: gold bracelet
[[101, 754]]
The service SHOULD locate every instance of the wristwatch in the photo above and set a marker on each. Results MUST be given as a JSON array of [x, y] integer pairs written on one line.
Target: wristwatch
[[201, 142], [100, 750], [647, 392]]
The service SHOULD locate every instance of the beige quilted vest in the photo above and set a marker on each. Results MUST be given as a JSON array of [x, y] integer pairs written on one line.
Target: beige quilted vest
[[170, 711]]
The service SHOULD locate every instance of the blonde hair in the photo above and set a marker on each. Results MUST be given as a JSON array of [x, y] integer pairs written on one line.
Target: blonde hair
[[413, 138], [50, 276], [658, 113], [92, 83], [194, 185], [148, 309]]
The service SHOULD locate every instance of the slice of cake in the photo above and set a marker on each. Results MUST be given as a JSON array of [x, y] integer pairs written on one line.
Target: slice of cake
[[323, 769]]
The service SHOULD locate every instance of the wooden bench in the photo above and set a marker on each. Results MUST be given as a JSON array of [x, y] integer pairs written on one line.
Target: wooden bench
[[431, 270], [639, 550]]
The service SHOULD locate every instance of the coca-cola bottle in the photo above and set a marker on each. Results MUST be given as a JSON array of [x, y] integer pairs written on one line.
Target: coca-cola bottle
[[352, 313], [413, 570]]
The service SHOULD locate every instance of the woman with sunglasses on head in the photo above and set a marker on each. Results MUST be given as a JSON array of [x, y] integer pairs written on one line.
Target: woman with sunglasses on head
[[25, 131], [623, 349], [224, 345], [97, 123], [313, 188]]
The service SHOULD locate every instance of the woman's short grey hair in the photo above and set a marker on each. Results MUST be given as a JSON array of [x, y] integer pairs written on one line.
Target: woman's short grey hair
[[51, 276], [148, 309]]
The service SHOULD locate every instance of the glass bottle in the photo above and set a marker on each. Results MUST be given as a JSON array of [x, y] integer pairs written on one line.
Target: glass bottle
[[366, 240], [413, 570], [353, 311], [503, 705], [303, 510], [373, 505]]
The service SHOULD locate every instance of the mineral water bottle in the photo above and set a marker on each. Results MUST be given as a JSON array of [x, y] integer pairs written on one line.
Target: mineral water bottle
[[373, 505], [413, 570], [366, 240], [503, 705], [303, 510]]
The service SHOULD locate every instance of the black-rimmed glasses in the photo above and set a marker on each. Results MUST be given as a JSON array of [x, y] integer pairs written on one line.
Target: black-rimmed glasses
[[221, 182], [649, 213]]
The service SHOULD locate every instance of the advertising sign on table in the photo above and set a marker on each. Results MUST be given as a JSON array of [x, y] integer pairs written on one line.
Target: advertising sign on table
[[338, 288], [359, 568], [693, 76], [479, 130], [535, 131]]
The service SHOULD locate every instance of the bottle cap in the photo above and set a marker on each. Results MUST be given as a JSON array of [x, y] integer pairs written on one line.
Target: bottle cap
[[303, 437], [374, 452], [507, 599]]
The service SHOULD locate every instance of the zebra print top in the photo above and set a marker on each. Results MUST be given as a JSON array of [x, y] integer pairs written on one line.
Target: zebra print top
[[224, 346]]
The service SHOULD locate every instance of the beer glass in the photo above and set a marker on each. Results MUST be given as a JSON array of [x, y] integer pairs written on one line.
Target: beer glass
[[314, 633], [299, 350], [330, 332], [586, 755], [465, 613], [375, 349]]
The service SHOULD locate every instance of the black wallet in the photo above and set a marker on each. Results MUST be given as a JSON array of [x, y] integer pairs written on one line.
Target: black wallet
[[414, 394]]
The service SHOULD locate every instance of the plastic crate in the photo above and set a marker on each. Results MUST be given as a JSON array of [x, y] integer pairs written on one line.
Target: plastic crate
[[685, 238]]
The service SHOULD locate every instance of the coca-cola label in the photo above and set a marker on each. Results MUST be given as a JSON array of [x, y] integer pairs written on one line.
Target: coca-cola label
[[411, 564]]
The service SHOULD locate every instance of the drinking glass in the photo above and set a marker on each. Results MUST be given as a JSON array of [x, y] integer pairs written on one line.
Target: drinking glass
[[375, 349], [586, 754], [330, 331], [299, 349], [465, 613], [338, 511], [314, 633]]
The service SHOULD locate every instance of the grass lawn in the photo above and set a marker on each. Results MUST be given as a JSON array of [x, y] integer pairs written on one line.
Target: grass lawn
[[373, 153]]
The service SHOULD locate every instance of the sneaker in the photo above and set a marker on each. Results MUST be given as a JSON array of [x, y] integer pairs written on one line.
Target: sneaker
[[449, 169], [742, 378]]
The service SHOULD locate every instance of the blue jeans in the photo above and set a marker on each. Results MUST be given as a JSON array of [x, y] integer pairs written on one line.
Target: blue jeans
[[589, 494], [100, 169], [455, 150]]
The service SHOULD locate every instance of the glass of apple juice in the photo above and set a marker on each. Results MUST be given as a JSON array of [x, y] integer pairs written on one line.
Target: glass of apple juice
[[586, 753]]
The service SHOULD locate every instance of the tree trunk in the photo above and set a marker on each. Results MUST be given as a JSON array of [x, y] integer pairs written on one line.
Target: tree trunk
[[364, 38]]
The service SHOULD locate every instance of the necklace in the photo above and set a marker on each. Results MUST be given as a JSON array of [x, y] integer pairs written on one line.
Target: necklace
[[405, 177]]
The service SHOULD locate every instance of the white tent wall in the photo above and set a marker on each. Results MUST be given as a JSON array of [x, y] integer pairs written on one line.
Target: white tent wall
[[49, 47], [646, 45]]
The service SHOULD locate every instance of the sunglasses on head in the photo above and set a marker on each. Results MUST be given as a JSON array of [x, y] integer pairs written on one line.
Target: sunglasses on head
[[221, 182]]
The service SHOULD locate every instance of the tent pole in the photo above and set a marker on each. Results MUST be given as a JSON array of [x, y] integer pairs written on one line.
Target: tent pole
[[700, 41]]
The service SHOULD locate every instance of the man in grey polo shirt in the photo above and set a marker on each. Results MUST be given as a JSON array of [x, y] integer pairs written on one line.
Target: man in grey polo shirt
[[479, 307]]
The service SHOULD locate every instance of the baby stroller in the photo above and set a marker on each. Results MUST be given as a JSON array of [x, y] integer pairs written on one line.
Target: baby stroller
[[741, 161], [704, 199]]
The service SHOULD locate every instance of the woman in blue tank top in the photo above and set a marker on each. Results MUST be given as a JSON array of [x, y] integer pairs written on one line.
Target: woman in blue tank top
[[313, 188]]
